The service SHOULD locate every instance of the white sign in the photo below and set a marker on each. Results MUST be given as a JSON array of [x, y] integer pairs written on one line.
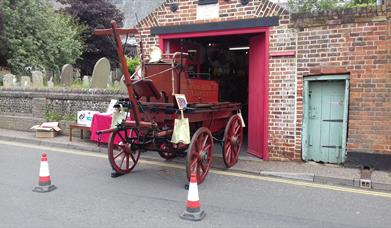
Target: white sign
[[181, 101], [85, 117], [208, 11]]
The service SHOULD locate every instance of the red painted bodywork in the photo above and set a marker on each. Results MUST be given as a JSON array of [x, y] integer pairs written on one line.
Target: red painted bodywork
[[196, 90], [258, 81], [258, 96]]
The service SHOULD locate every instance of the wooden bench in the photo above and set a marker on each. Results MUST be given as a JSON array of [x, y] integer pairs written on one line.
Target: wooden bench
[[77, 126]]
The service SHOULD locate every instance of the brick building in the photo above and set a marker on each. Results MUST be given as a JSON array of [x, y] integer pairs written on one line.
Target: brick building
[[319, 85]]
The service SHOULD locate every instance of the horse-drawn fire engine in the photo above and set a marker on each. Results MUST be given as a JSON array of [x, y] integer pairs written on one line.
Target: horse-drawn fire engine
[[161, 102]]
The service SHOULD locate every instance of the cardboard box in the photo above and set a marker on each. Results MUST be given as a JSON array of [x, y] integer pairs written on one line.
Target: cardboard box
[[46, 130], [46, 134], [85, 117]]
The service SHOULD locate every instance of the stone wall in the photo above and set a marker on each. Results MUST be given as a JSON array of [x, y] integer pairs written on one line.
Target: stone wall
[[21, 108]]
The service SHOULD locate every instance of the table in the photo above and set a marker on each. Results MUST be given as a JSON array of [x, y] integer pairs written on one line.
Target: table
[[77, 126]]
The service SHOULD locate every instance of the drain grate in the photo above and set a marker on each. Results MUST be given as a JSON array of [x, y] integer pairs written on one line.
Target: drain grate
[[365, 183], [365, 180]]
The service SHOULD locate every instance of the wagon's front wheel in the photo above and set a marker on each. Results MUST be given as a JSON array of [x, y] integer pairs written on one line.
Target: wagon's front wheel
[[232, 143], [199, 155], [122, 155]]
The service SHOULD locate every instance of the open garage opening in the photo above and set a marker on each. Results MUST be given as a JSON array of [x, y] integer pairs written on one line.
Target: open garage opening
[[224, 59]]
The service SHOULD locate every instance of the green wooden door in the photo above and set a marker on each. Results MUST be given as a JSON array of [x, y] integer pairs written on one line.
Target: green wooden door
[[325, 121]]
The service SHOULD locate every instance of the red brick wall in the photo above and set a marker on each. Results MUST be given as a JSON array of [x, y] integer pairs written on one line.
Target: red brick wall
[[282, 93], [355, 42], [282, 69]]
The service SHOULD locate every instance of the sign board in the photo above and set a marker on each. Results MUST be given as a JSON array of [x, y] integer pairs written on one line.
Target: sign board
[[85, 117], [181, 101], [208, 11]]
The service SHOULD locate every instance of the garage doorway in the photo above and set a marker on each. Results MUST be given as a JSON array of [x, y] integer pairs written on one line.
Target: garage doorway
[[238, 60]]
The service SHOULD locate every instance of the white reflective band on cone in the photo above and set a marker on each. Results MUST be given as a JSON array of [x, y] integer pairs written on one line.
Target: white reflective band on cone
[[193, 192], [44, 169]]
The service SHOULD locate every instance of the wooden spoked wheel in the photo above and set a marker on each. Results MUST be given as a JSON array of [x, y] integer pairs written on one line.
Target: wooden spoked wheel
[[199, 155], [122, 155], [232, 143]]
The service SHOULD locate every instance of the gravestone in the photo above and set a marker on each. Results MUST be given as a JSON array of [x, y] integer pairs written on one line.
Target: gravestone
[[37, 77], [113, 76], [50, 83], [86, 81], [100, 74], [25, 82], [9, 81], [67, 75], [118, 74], [122, 86]]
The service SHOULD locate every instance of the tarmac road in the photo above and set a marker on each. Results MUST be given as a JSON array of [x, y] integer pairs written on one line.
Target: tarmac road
[[153, 196]]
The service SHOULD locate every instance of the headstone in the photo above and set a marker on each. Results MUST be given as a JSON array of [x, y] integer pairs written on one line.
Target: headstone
[[25, 82], [118, 73], [9, 81], [56, 78], [110, 80], [113, 76], [67, 75], [100, 74], [50, 83], [48, 75], [86, 81], [37, 77], [122, 86], [77, 74]]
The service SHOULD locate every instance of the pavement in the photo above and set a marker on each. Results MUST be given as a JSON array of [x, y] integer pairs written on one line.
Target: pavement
[[304, 171]]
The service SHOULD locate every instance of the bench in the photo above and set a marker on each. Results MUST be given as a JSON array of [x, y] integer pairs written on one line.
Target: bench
[[77, 126]]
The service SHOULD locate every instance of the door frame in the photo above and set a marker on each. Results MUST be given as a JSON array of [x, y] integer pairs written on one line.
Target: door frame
[[305, 127], [261, 149]]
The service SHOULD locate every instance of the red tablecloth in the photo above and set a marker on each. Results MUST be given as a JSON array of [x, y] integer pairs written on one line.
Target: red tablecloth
[[100, 121]]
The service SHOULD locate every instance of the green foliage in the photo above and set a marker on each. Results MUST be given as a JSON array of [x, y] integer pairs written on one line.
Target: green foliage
[[312, 5], [358, 3], [298, 6], [94, 14], [3, 42], [38, 37], [50, 116], [53, 116], [70, 117], [132, 63]]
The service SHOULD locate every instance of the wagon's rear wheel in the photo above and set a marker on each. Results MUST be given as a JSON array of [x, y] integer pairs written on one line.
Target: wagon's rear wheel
[[123, 156], [199, 155], [232, 143]]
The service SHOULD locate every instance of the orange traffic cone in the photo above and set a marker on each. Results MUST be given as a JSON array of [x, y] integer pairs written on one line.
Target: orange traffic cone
[[45, 184], [193, 211]]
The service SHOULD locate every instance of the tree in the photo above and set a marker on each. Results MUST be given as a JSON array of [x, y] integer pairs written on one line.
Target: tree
[[37, 37], [3, 44], [312, 5], [94, 14]]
